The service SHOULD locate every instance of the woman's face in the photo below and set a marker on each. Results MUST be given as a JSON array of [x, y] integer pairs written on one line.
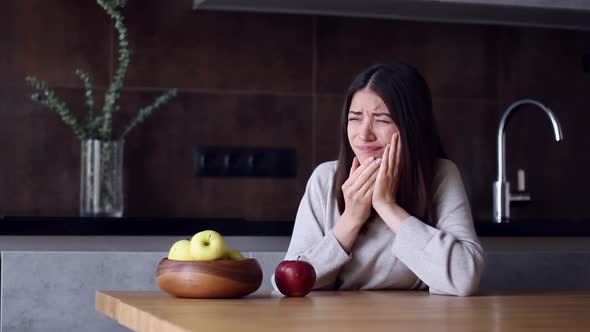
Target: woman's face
[[370, 125]]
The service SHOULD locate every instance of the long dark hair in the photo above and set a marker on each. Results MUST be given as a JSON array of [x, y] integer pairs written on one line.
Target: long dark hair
[[407, 96]]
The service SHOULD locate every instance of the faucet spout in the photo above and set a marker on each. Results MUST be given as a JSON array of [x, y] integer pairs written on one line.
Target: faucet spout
[[502, 195]]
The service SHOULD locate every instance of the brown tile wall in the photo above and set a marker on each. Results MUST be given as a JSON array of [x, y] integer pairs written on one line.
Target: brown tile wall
[[278, 80]]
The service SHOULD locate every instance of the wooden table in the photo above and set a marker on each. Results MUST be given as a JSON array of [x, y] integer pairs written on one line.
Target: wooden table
[[352, 311]]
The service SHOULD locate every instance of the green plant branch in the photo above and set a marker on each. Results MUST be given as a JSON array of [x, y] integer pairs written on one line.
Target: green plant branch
[[99, 125], [111, 96], [146, 111], [48, 98], [89, 98]]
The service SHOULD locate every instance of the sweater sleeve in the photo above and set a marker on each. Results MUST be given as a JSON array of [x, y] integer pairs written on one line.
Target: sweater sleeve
[[312, 239], [448, 258]]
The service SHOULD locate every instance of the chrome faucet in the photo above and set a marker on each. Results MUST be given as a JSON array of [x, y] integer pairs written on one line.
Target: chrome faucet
[[502, 194]]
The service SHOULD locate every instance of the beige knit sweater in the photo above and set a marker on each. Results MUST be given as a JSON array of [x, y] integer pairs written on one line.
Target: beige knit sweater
[[447, 259]]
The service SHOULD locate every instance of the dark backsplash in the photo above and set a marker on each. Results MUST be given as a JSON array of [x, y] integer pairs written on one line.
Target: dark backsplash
[[278, 80]]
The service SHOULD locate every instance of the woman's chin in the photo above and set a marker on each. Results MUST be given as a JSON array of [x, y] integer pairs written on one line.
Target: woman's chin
[[363, 156]]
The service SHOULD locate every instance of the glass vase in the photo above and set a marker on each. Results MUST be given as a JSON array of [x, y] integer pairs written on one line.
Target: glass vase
[[101, 179]]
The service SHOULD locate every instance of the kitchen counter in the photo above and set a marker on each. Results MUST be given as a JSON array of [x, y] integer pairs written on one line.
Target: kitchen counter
[[351, 311], [69, 279], [161, 226], [161, 243], [138, 226]]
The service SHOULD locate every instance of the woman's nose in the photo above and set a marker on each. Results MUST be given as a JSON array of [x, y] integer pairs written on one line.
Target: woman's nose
[[366, 132]]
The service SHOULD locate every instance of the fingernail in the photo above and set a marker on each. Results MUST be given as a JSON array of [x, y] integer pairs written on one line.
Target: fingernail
[[371, 158], [378, 161]]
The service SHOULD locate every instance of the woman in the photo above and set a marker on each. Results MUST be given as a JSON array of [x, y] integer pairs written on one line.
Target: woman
[[392, 212]]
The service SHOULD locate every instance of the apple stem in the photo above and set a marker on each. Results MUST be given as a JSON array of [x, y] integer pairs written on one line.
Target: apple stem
[[298, 257]]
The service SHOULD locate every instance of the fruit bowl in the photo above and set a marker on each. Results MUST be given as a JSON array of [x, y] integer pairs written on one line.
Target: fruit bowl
[[209, 279]]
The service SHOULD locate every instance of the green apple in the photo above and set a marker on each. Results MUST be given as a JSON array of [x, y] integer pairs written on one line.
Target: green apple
[[207, 246], [181, 251], [232, 254]]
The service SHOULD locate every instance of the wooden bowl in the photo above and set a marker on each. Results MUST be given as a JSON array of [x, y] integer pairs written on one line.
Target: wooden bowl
[[209, 279]]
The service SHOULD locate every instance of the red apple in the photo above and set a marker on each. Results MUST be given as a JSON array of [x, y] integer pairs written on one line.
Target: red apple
[[295, 278]]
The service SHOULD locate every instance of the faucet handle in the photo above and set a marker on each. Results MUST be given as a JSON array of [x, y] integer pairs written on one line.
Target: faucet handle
[[520, 180], [521, 197]]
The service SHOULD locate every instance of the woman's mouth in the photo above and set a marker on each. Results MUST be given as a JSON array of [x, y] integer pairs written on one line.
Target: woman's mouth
[[369, 148]]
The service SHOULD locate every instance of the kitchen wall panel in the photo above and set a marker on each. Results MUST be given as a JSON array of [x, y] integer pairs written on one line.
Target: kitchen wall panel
[[259, 79]]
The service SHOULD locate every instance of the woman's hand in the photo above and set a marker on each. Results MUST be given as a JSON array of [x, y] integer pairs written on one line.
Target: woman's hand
[[358, 189], [358, 193], [387, 185], [387, 182]]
